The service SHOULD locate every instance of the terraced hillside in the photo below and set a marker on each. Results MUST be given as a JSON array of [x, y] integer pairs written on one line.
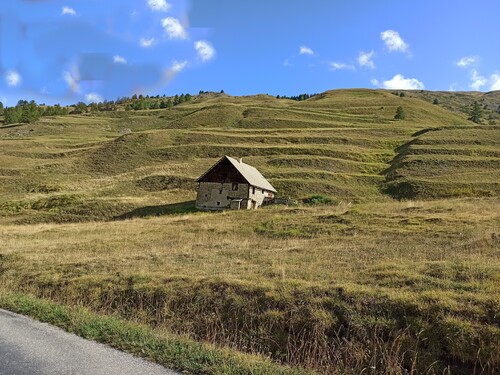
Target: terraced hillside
[[97, 167], [447, 162]]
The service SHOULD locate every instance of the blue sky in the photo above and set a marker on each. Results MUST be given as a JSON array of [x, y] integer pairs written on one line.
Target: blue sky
[[89, 50]]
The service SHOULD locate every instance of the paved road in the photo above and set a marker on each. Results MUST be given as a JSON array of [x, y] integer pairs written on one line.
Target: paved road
[[28, 347]]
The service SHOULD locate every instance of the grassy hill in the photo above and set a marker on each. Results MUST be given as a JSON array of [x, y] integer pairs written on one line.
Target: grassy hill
[[97, 210], [338, 143]]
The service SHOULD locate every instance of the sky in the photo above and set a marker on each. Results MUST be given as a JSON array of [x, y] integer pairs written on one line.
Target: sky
[[67, 51]]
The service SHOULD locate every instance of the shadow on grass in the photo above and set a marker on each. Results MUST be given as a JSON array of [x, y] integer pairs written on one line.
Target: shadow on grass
[[11, 126], [168, 209]]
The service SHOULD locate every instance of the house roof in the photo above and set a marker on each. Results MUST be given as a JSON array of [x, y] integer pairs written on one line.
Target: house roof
[[249, 173]]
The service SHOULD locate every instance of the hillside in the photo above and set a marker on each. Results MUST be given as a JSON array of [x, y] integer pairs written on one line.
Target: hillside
[[398, 271], [340, 143]]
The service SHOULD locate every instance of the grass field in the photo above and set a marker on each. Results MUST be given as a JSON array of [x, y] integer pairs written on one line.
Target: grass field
[[98, 211]]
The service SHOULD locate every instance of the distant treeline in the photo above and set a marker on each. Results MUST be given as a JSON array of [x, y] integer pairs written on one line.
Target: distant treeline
[[297, 98], [28, 112]]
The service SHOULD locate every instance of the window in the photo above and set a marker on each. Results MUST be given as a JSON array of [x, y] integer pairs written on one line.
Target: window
[[235, 187], [253, 189], [218, 203]]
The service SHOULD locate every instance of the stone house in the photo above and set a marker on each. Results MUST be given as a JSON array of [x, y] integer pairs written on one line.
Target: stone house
[[232, 185]]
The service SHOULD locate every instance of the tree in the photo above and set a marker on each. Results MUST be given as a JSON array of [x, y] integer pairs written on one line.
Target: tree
[[93, 107], [81, 107], [1, 108], [170, 104], [400, 113], [30, 112], [12, 115], [436, 101], [476, 113], [402, 94]]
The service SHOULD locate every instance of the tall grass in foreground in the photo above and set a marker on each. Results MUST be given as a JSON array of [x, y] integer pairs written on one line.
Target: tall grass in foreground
[[378, 287]]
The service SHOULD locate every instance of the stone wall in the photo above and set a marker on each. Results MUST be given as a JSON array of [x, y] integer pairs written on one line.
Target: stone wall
[[218, 196]]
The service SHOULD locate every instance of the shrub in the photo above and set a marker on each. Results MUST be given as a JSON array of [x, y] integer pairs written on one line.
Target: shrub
[[318, 199]]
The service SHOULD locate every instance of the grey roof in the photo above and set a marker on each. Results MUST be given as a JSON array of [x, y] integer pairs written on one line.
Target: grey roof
[[249, 173]]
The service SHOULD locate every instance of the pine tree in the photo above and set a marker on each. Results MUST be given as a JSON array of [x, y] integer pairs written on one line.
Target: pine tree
[[400, 113], [436, 101], [12, 115], [476, 113]]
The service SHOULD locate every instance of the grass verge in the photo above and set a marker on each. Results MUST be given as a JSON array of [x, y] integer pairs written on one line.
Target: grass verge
[[168, 350]]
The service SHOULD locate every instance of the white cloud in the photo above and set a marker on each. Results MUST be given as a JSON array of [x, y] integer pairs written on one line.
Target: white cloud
[[477, 80], [119, 59], [305, 50], [399, 82], [93, 98], [68, 11], [340, 66], [467, 61], [365, 59], [205, 50], [173, 28], [495, 82], [13, 78], [176, 68], [71, 81], [146, 43], [375, 82], [393, 41], [179, 66], [287, 63], [159, 5]]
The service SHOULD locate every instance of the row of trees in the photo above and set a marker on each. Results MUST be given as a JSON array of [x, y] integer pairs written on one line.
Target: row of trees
[[298, 98], [152, 103], [24, 111]]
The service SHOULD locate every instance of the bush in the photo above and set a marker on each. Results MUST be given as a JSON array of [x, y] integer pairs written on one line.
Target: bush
[[318, 199]]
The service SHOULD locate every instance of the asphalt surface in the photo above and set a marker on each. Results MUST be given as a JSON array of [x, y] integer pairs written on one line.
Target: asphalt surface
[[28, 347]]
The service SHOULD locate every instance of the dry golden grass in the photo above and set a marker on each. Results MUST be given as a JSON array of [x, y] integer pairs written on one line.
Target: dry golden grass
[[422, 257]]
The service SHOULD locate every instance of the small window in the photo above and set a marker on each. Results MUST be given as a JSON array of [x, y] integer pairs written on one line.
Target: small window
[[253, 189], [206, 195], [235, 187], [220, 191], [218, 203]]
